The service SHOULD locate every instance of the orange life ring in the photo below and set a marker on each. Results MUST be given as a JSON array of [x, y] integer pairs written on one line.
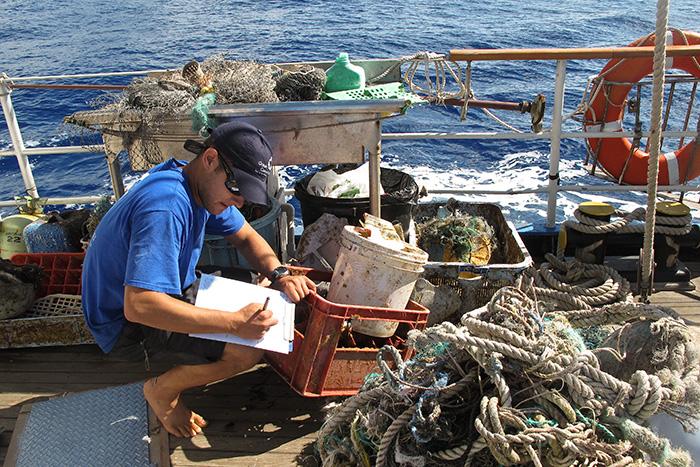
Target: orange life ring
[[674, 167]]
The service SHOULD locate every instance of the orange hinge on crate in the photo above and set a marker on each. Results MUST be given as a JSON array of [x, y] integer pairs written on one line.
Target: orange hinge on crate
[[62, 271], [318, 367]]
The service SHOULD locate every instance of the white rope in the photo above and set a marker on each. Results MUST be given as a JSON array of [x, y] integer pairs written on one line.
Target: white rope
[[467, 94], [575, 284], [502, 122], [667, 225], [436, 91], [654, 143]]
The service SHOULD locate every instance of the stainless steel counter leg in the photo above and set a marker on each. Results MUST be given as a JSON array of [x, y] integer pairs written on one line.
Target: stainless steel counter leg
[[375, 156]]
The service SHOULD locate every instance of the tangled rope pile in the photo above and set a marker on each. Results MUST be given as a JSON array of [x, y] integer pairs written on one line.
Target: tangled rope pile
[[519, 382], [570, 285]]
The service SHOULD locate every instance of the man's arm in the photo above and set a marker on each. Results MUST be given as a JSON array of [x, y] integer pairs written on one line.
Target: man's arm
[[263, 259], [161, 311], [255, 249]]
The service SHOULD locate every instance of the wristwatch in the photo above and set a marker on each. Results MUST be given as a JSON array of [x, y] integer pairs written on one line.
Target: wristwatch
[[278, 273]]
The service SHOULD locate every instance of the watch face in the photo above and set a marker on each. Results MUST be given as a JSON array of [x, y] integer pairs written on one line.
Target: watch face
[[278, 272]]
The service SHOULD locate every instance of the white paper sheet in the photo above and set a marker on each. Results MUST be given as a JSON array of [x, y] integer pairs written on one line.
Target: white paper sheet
[[224, 294]]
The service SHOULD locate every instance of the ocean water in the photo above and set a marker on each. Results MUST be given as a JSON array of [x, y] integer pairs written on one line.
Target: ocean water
[[79, 36]]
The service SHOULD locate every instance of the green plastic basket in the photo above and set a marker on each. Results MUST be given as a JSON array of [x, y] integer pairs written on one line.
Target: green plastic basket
[[380, 91]]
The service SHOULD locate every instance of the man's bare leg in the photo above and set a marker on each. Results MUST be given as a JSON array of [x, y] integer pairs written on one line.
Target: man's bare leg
[[163, 392]]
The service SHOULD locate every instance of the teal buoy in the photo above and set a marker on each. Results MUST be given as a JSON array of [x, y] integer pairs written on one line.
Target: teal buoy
[[344, 76]]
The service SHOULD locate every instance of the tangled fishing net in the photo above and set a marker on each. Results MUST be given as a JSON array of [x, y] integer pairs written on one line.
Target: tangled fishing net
[[233, 82], [140, 114], [534, 377], [304, 83], [96, 215], [170, 95], [463, 238]]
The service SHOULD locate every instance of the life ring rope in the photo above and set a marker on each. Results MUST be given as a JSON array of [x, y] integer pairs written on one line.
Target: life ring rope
[[605, 107]]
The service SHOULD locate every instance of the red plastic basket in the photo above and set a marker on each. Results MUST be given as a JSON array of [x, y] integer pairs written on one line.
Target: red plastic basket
[[318, 367], [62, 271]]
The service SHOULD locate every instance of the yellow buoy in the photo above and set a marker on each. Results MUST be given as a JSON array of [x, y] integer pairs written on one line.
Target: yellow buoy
[[11, 228], [596, 209], [672, 208]]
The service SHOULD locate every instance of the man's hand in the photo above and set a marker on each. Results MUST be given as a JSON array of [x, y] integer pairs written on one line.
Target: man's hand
[[295, 287], [252, 322]]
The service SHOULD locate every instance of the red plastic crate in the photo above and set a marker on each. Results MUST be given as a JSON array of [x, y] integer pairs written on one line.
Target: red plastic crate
[[317, 367], [62, 271]]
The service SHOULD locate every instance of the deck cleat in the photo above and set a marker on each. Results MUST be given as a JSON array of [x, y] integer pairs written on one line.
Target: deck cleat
[[667, 246], [590, 247]]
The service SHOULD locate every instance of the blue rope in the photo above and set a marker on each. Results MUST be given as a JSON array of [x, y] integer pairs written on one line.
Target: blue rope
[[418, 418], [537, 424], [537, 320], [607, 434]]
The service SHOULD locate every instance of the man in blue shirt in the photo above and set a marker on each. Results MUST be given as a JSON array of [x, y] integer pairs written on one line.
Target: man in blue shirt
[[145, 250]]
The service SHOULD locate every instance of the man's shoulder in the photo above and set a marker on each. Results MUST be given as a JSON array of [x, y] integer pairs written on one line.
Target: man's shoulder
[[164, 189]]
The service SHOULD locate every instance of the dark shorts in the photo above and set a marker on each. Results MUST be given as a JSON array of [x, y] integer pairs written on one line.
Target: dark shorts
[[139, 342]]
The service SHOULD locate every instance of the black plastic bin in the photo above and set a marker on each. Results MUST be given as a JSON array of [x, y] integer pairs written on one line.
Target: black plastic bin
[[397, 202]]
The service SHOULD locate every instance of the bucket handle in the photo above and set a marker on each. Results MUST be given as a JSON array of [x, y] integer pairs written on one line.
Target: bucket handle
[[288, 211]]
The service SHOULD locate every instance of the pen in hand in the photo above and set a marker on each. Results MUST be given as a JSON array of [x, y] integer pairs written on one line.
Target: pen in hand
[[267, 301]]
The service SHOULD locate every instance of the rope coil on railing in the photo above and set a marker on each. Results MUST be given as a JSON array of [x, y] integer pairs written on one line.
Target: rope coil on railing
[[435, 87]]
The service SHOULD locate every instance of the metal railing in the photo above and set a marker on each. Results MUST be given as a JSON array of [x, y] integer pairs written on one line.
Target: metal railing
[[554, 134]]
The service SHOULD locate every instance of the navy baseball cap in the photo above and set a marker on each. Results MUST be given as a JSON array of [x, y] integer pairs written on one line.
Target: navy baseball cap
[[248, 154]]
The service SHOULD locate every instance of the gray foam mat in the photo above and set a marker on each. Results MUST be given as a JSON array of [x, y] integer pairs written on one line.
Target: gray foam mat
[[102, 427]]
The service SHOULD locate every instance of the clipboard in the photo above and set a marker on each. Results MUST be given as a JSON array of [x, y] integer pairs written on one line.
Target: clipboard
[[220, 293]]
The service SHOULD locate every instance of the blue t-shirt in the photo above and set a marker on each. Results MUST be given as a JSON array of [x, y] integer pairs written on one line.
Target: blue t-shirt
[[152, 239]]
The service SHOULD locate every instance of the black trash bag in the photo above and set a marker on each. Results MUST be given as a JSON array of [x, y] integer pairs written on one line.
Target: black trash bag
[[74, 224], [400, 196]]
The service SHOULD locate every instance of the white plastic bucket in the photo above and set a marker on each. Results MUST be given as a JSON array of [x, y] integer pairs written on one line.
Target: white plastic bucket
[[376, 273]]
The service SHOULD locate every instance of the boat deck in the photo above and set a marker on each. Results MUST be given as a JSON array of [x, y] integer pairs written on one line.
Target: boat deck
[[255, 418]]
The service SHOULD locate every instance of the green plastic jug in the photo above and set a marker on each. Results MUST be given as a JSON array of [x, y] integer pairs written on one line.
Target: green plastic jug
[[344, 76]]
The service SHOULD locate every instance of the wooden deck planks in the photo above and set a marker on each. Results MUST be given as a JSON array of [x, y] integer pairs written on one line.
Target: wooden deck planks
[[686, 303], [254, 419]]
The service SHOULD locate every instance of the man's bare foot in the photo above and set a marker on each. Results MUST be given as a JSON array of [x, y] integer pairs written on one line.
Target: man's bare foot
[[175, 417]]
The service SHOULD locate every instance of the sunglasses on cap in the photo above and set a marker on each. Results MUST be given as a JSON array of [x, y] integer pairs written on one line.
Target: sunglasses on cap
[[230, 183]]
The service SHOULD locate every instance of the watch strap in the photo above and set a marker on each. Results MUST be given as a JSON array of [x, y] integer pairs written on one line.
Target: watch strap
[[278, 273]]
